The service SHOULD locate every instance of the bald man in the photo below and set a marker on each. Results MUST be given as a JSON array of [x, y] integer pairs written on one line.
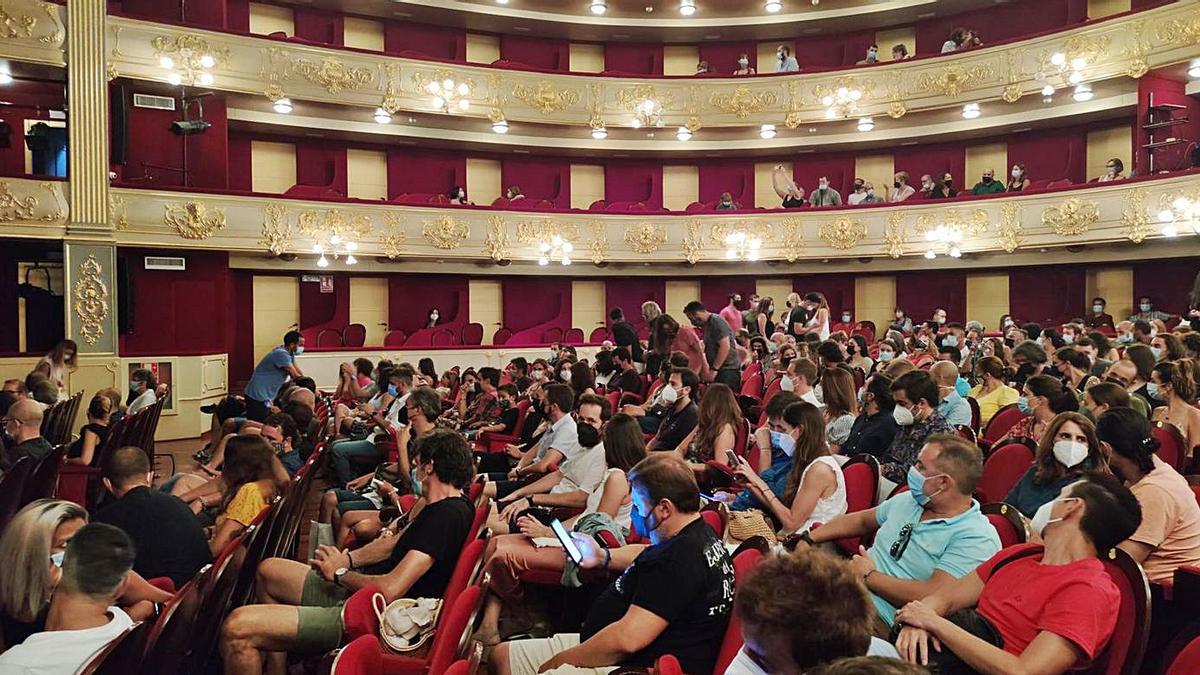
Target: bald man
[[953, 407], [24, 424]]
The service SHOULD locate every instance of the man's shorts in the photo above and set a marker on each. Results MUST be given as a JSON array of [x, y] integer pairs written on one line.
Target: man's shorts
[[525, 657], [320, 622]]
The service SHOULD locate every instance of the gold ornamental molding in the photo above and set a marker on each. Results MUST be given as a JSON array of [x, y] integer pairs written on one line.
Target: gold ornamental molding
[[1134, 217], [1010, 235], [31, 202], [1072, 218], [693, 242], [446, 233], [645, 237], [394, 235], [90, 294], [193, 220], [497, 242], [843, 233], [32, 30], [334, 75], [545, 97]]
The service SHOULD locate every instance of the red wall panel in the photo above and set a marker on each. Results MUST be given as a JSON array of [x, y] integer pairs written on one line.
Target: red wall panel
[[1050, 155], [1167, 282], [714, 293], [414, 171], [534, 304], [633, 181], [545, 178], [239, 335], [633, 59], [919, 293], [1161, 89], [629, 293], [321, 163], [831, 51], [932, 160], [422, 40], [1030, 301], [178, 313], [1001, 22], [319, 311], [736, 178], [838, 167], [321, 26], [838, 290], [543, 53], [410, 297], [240, 162]]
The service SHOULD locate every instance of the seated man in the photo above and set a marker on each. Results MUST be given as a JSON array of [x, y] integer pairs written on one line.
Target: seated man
[[875, 428], [627, 379], [924, 539], [1031, 609], [916, 411], [280, 431], [684, 414], [674, 596], [558, 443], [83, 617], [485, 407], [506, 424], [23, 424], [166, 535], [954, 408], [777, 628], [302, 603]]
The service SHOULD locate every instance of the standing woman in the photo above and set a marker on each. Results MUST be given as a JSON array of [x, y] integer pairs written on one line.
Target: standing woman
[[1169, 382], [59, 363], [670, 337], [816, 488], [841, 405], [716, 428], [766, 307], [92, 435], [1068, 451], [819, 323]]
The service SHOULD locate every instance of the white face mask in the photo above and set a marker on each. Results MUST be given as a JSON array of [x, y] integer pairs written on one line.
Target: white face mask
[[1070, 453], [537, 374], [1097, 308], [299, 350], [903, 416], [786, 384], [566, 373], [1043, 518], [743, 62], [1016, 173], [668, 395]]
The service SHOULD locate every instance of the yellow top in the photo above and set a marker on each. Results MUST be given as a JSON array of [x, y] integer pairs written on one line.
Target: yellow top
[[991, 402], [245, 505]]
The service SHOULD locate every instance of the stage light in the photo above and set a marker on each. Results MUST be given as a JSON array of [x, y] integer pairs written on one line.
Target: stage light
[[1083, 92], [767, 131], [598, 7], [189, 127], [687, 7], [866, 124], [382, 116], [282, 106]]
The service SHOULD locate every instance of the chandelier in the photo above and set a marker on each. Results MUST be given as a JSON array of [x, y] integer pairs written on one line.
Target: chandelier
[[1181, 214], [192, 67], [946, 239], [336, 247], [742, 246], [843, 102], [648, 114], [449, 95], [555, 248], [1061, 70]]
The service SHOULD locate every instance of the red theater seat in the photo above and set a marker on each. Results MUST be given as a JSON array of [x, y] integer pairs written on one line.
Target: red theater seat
[[1008, 523], [999, 424], [1002, 470], [573, 336], [472, 334], [355, 335], [861, 473], [1172, 448], [501, 336]]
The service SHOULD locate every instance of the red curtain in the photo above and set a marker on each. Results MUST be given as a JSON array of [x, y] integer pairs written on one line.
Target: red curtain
[[415, 171], [838, 289], [1160, 89], [838, 167], [629, 293], [422, 40], [539, 179], [633, 182], [723, 57], [1001, 22], [319, 311], [167, 11], [919, 293], [534, 304], [237, 15], [736, 178], [1030, 301], [1053, 154], [543, 53], [239, 162], [831, 51], [155, 156], [319, 25], [1167, 282], [932, 160], [715, 291], [321, 163], [178, 313], [633, 59], [411, 296], [207, 153]]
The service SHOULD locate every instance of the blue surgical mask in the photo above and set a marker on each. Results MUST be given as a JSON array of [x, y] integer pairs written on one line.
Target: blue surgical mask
[[1068, 338], [1124, 338], [299, 350], [392, 391], [784, 442], [962, 387], [1145, 307], [916, 486], [133, 385], [417, 488], [884, 357], [1023, 404], [1157, 351], [1153, 389], [57, 558], [950, 341]]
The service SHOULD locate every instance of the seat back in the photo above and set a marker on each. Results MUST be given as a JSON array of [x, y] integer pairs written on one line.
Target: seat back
[[443, 337], [1172, 448], [354, 335], [861, 473], [45, 477], [975, 414], [552, 334], [1127, 645], [598, 334], [56, 423], [169, 645], [743, 564], [501, 336], [741, 443], [329, 337], [394, 338], [123, 655], [753, 386], [472, 334], [454, 629], [573, 336], [12, 492], [715, 521], [1008, 523], [1001, 422], [1187, 661], [1001, 471]]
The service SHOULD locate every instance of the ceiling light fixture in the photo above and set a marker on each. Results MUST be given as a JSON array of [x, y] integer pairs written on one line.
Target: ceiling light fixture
[[772, 6], [1067, 71], [866, 124], [742, 246], [282, 106], [767, 132], [970, 111], [336, 247], [598, 7], [382, 116], [556, 248], [683, 134], [449, 95], [165, 61], [843, 102], [599, 132], [500, 126], [501, 2], [1083, 92], [945, 237], [687, 7]]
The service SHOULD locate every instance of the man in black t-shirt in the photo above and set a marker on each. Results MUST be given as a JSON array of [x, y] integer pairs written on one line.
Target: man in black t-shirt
[[628, 380], [684, 414], [302, 610], [624, 334], [166, 535], [674, 596]]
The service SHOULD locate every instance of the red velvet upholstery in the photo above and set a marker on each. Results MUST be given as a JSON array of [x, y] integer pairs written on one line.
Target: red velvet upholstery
[[1008, 523], [1000, 423], [472, 334], [573, 336], [861, 473], [633, 59], [668, 665], [355, 335], [453, 623], [714, 521], [394, 338], [599, 334], [1002, 470], [1187, 662], [501, 336], [1128, 643], [1172, 448]]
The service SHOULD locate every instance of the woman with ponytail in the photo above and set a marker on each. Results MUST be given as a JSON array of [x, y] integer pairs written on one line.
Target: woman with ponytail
[[1041, 399], [1172, 383]]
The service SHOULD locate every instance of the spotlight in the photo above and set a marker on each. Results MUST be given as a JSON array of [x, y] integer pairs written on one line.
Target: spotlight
[[382, 116], [970, 111], [500, 126], [207, 61], [598, 7], [767, 131], [1083, 92], [866, 124], [600, 133], [687, 7], [772, 6], [283, 106], [166, 62], [189, 127], [683, 134]]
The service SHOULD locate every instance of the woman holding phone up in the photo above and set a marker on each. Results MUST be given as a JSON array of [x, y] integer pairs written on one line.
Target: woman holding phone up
[[816, 488]]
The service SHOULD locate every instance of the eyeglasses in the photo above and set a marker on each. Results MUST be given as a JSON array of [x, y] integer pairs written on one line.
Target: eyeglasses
[[901, 544]]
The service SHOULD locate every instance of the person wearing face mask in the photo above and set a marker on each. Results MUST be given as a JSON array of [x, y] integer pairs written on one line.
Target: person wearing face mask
[[825, 194], [925, 538], [1169, 384], [304, 600], [1031, 609], [23, 424], [1020, 180], [943, 187], [798, 378], [1114, 169], [719, 352], [269, 375], [1098, 318], [559, 442], [859, 192], [433, 317], [791, 194], [1125, 374], [901, 190], [1041, 399], [625, 335], [672, 597], [988, 185], [743, 65], [875, 429], [815, 489], [926, 186], [991, 393], [953, 407], [1104, 397], [916, 411], [142, 384], [857, 355], [1169, 534], [1074, 367], [872, 56], [784, 61], [869, 195], [725, 203], [1068, 451], [1147, 313], [683, 414]]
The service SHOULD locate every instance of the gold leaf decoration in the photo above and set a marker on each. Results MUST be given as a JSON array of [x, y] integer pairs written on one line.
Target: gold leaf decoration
[[118, 217], [792, 236], [55, 192], [893, 235], [91, 300], [1180, 31], [14, 208], [645, 237], [598, 246], [545, 97], [752, 229], [276, 232], [693, 242], [1137, 50], [631, 97], [393, 235], [538, 231], [1134, 218], [896, 110], [843, 233], [950, 81], [334, 75], [192, 220], [1010, 234], [1072, 218], [326, 222], [742, 102], [446, 233], [17, 25], [1012, 93], [971, 223], [495, 246]]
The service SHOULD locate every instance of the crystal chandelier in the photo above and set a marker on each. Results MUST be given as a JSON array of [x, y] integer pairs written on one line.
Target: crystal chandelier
[[188, 67], [449, 95], [742, 246], [946, 239], [336, 247], [1061, 70], [843, 102], [649, 114], [556, 248], [1180, 216]]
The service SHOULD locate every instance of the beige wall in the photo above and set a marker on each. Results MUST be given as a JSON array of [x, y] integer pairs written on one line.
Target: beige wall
[[980, 158], [875, 300], [586, 57], [875, 169], [681, 186], [987, 298], [1115, 285], [1104, 144], [886, 39], [482, 49], [272, 166], [267, 19], [777, 289], [764, 190], [587, 306], [679, 294], [363, 33], [366, 174], [483, 180], [766, 55], [1101, 8], [682, 60], [276, 310], [587, 184], [369, 306], [486, 304]]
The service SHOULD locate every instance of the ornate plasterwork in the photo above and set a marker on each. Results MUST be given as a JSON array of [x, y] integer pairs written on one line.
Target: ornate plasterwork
[[15, 208], [446, 233], [394, 235], [951, 81], [792, 240], [22, 201], [843, 233], [1134, 217], [90, 295], [645, 237], [1071, 218], [742, 102], [334, 75], [319, 223], [1181, 31], [193, 220], [495, 246], [545, 97], [543, 230], [31, 21], [275, 229], [693, 242], [893, 236], [598, 244], [1009, 234], [118, 214]]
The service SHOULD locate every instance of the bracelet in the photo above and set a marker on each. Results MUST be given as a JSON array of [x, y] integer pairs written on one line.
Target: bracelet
[[607, 557], [868, 574]]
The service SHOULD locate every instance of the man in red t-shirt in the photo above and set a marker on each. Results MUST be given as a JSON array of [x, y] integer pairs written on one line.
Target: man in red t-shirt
[[1031, 609]]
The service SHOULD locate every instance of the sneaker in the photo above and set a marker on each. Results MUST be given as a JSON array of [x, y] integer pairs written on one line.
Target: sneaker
[[203, 455], [209, 409]]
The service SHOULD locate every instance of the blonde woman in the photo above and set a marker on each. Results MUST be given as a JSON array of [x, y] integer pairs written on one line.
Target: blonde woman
[[31, 555]]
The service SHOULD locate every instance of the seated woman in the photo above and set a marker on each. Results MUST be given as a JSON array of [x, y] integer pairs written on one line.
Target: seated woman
[[991, 393], [355, 422], [92, 435], [251, 479], [816, 489], [1075, 368], [1169, 382], [31, 555], [715, 431], [841, 406], [142, 386], [582, 381], [1041, 399], [1169, 534], [1114, 169], [354, 382], [510, 555], [1068, 450]]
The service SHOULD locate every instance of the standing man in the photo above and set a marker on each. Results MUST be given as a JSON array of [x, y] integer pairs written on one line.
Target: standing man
[[731, 313], [624, 334], [269, 375], [718, 345]]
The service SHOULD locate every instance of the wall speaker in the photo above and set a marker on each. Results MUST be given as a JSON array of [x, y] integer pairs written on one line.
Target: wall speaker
[[125, 297], [118, 128]]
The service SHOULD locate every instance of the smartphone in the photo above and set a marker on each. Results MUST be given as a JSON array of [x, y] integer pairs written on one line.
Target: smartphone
[[733, 459], [567, 542]]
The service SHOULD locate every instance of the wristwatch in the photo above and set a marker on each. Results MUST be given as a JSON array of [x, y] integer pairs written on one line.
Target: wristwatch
[[806, 538], [338, 574]]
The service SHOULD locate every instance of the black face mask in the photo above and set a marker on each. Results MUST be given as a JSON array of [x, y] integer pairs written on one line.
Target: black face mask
[[589, 436], [987, 179], [896, 185]]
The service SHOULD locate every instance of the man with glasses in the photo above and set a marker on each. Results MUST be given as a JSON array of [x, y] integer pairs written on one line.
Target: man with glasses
[[924, 539], [916, 411], [23, 424]]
